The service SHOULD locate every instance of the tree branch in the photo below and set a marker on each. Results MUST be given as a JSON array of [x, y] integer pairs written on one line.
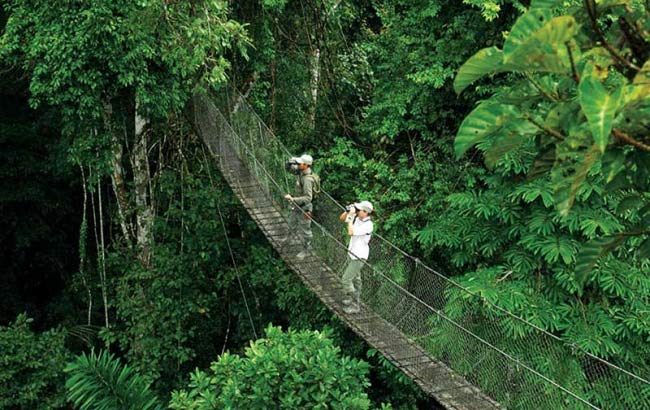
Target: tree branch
[[630, 140], [541, 89], [550, 131], [574, 70], [593, 16]]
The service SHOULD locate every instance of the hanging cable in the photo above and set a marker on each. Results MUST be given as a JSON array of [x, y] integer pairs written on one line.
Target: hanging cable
[[232, 255]]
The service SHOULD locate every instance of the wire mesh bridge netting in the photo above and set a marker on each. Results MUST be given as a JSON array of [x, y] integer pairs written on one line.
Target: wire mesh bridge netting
[[508, 358]]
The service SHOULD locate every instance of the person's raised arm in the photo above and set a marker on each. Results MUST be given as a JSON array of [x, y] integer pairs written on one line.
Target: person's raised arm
[[350, 220]]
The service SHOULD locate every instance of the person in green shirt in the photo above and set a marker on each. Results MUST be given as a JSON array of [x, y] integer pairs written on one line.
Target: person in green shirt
[[301, 204]]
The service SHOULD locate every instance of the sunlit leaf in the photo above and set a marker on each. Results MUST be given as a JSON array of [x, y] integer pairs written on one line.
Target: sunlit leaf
[[486, 119], [643, 76], [599, 107], [485, 61], [567, 190], [592, 251], [546, 49], [524, 28]]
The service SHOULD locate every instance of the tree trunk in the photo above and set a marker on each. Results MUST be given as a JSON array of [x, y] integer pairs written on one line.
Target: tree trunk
[[143, 198], [117, 179], [117, 175], [313, 85]]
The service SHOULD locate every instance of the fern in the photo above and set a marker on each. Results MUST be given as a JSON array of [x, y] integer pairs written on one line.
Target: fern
[[101, 382]]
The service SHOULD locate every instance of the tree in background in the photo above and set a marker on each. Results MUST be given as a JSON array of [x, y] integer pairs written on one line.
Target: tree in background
[[118, 75], [117, 72]]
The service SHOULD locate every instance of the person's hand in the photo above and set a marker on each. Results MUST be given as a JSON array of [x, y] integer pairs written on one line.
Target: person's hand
[[288, 197], [350, 216]]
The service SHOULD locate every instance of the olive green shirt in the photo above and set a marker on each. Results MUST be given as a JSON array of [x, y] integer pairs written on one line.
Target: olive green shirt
[[304, 191]]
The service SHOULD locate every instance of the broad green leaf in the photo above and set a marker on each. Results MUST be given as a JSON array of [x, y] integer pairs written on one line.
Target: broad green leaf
[[557, 31], [546, 48], [643, 251], [515, 133], [599, 107], [567, 189], [643, 76], [524, 28], [485, 120], [630, 202], [613, 163], [562, 115], [592, 251], [485, 61], [635, 94]]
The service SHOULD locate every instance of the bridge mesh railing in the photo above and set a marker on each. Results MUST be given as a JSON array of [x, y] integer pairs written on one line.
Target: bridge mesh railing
[[508, 358]]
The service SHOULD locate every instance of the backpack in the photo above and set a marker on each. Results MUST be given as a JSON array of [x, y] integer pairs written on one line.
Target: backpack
[[315, 179]]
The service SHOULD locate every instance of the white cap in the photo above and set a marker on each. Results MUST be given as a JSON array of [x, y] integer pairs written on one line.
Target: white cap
[[364, 206], [305, 159]]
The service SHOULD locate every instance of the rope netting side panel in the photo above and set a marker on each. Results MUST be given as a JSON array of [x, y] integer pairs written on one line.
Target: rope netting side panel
[[507, 357]]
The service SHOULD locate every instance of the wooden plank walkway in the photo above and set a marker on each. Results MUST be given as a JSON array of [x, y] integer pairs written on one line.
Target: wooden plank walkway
[[435, 378]]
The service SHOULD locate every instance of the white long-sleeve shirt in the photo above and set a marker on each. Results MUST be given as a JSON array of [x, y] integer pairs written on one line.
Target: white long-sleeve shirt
[[361, 233]]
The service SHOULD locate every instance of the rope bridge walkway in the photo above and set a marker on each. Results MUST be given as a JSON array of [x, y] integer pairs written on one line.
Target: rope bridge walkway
[[453, 343]]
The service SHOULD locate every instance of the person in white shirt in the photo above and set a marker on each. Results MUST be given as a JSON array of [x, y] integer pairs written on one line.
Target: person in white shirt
[[359, 228]]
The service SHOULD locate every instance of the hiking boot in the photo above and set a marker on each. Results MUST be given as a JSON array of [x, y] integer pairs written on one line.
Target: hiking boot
[[350, 309], [303, 254]]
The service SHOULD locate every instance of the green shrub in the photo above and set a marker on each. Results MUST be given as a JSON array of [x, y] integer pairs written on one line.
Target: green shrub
[[287, 370], [31, 367]]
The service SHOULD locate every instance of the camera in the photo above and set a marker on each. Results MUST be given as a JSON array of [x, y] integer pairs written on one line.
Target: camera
[[348, 207], [292, 165]]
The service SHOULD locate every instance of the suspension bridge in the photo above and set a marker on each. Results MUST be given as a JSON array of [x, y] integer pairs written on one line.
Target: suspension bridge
[[448, 340]]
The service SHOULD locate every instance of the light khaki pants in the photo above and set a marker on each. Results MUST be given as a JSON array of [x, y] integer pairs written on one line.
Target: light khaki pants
[[351, 281]]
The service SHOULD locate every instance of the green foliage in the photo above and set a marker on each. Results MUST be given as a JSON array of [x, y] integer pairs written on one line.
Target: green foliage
[[177, 314], [101, 382], [581, 143], [157, 49], [291, 370], [600, 109], [490, 9], [539, 236], [31, 367]]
